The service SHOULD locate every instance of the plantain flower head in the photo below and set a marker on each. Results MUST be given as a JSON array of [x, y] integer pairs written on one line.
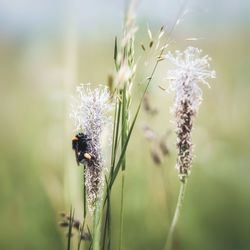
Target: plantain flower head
[[191, 69], [91, 115]]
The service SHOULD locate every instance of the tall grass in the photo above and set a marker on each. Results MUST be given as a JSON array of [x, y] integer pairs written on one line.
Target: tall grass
[[123, 127], [99, 194]]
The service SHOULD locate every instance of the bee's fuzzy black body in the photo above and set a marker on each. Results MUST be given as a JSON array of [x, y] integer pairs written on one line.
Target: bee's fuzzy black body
[[81, 148]]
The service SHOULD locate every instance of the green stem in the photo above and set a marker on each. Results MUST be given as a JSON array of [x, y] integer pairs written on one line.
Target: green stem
[[174, 222], [107, 224], [84, 195], [71, 219], [122, 209], [80, 236], [116, 131], [97, 224], [116, 134], [123, 140]]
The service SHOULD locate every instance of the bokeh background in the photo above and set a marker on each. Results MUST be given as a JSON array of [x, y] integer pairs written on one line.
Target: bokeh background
[[46, 49]]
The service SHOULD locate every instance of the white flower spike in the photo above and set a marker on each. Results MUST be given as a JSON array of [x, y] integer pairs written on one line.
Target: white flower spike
[[191, 69], [91, 114]]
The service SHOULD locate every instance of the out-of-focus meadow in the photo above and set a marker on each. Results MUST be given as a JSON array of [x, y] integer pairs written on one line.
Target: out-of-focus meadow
[[46, 49]]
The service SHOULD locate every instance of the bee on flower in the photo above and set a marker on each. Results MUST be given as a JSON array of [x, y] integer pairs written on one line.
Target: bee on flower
[[91, 115]]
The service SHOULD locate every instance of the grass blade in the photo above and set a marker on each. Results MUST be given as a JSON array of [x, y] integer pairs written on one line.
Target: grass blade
[[71, 218], [116, 136], [84, 195]]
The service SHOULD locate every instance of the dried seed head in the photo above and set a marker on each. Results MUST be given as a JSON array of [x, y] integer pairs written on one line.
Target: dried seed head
[[156, 157], [62, 214], [151, 44], [91, 115], [124, 60], [85, 236], [158, 148], [143, 47], [149, 133], [164, 148], [191, 69], [76, 224], [124, 74], [63, 223]]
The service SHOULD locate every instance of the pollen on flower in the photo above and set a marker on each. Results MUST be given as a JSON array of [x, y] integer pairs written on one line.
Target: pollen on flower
[[191, 69], [91, 115]]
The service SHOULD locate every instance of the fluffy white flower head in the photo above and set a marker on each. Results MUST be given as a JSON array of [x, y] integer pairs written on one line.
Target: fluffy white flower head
[[191, 69], [90, 110], [91, 115]]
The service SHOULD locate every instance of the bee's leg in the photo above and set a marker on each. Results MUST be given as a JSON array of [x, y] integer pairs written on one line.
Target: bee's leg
[[80, 156], [77, 157]]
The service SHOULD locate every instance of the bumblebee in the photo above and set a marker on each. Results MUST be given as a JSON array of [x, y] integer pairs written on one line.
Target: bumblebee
[[80, 146]]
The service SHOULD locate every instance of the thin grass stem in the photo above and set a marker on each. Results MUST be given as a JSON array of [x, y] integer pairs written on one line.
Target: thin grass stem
[[174, 222], [71, 218], [107, 224], [84, 195], [124, 137], [117, 119], [97, 220], [80, 236], [117, 122], [122, 211], [113, 134]]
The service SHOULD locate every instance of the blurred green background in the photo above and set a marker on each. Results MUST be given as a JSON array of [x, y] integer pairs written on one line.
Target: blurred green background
[[46, 49]]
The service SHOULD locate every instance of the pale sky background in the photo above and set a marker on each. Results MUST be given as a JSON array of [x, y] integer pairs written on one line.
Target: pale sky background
[[42, 16]]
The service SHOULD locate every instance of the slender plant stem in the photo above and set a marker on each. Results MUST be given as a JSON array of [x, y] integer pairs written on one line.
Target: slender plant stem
[[84, 195], [122, 210], [117, 118], [80, 235], [97, 224], [107, 224], [174, 222], [71, 219], [125, 125], [97, 227], [116, 134]]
